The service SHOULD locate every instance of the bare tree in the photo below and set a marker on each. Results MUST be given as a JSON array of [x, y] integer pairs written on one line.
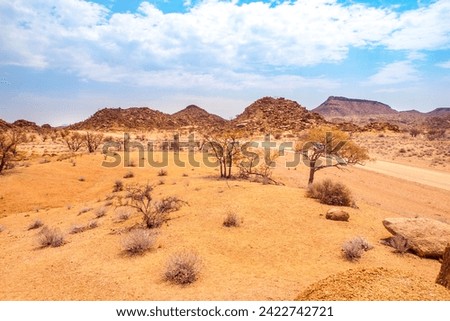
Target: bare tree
[[92, 141], [326, 147], [74, 141], [250, 166], [9, 141], [154, 213], [224, 147]]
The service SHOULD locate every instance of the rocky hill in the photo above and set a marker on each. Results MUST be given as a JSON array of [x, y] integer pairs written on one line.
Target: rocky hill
[[4, 125], [195, 116], [344, 107], [130, 118], [439, 112], [270, 114]]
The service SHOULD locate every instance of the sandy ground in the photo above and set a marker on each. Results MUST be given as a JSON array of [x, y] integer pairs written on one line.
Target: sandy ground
[[423, 176], [283, 246]]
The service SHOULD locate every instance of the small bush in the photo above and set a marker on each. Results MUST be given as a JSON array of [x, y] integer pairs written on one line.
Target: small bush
[[399, 243], [162, 172], [84, 210], [331, 193], [81, 179], [128, 174], [183, 268], [50, 237], [231, 220], [123, 214], [100, 212], [168, 204], [354, 248], [82, 228], [138, 241], [118, 186], [36, 224]]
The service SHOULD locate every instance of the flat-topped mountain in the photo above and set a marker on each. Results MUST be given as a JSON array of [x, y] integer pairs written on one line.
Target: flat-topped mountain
[[343, 107], [276, 114], [195, 116]]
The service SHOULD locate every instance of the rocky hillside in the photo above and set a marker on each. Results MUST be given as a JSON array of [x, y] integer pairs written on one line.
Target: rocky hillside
[[195, 116], [4, 125], [343, 107], [130, 118], [439, 112], [274, 115]]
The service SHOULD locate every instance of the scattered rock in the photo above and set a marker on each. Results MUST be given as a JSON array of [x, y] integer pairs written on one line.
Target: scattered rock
[[426, 237], [444, 274], [336, 214]]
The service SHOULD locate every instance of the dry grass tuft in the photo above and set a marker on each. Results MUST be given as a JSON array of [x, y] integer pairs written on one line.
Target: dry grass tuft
[[35, 225], [162, 172], [138, 241], [354, 248], [118, 186], [231, 220], [183, 268], [82, 228], [399, 243], [100, 212], [50, 237]]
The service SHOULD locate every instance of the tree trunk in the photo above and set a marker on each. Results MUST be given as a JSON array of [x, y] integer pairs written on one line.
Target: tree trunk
[[312, 171], [444, 274]]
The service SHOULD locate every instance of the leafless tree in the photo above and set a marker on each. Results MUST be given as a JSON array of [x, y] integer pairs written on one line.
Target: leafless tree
[[9, 141], [92, 141]]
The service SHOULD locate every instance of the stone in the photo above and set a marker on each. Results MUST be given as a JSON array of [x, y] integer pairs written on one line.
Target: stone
[[443, 277], [336, 214], [426, 237]]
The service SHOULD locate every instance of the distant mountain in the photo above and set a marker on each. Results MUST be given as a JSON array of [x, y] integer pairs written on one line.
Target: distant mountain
[[270, 114], [195, 116], [439, 112], [129, 118], [343, 107]]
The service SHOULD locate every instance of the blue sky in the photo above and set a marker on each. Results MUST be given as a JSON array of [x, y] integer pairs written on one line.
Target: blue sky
[[61, 61]]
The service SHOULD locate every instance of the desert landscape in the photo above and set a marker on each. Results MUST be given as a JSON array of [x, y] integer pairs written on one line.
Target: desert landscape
[[137, 204]]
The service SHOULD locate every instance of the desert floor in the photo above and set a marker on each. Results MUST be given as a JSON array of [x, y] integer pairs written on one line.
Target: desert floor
[[283, 246]]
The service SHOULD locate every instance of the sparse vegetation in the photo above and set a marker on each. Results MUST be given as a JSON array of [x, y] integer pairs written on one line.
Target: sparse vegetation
[[100, 212], [123, 214], [74, 141], [118, 186], [92, 141], [183, 268], [399, 243], [82, 179], [9, 141], [231, 220], [331, 193], [326, 147], [82, 228], [35, 225], [128, 174], [154, 215], [50, 237], [84, 210], [162, 172], [354, 248], [137, 241]]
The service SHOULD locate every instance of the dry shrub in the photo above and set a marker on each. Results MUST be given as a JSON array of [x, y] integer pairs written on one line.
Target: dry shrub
[[82, 228], [354, 248], [36, 224], [50, 237], [162, 172], [183, 268], [399, 243], [231, 220], [128, 175], [118, 186], [138, 241], [123, 214], [331, 193], [84, 210], [100, 212]]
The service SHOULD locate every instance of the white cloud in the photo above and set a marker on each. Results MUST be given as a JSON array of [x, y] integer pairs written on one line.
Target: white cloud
[[445, 64], [426, 28], [212, 42], [395, 73]]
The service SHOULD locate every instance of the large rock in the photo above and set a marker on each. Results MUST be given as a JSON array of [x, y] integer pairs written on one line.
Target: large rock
[[426, 237], [336, 214]]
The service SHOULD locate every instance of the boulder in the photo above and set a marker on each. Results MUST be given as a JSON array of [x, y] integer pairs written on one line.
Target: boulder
[[336, 214], [426, 237], [444, 274]]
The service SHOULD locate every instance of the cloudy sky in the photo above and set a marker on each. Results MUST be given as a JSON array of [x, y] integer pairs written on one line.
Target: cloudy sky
[[62, 60]]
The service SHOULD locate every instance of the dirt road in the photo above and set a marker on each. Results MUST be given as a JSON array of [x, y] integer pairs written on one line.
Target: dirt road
[[414, 174]]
